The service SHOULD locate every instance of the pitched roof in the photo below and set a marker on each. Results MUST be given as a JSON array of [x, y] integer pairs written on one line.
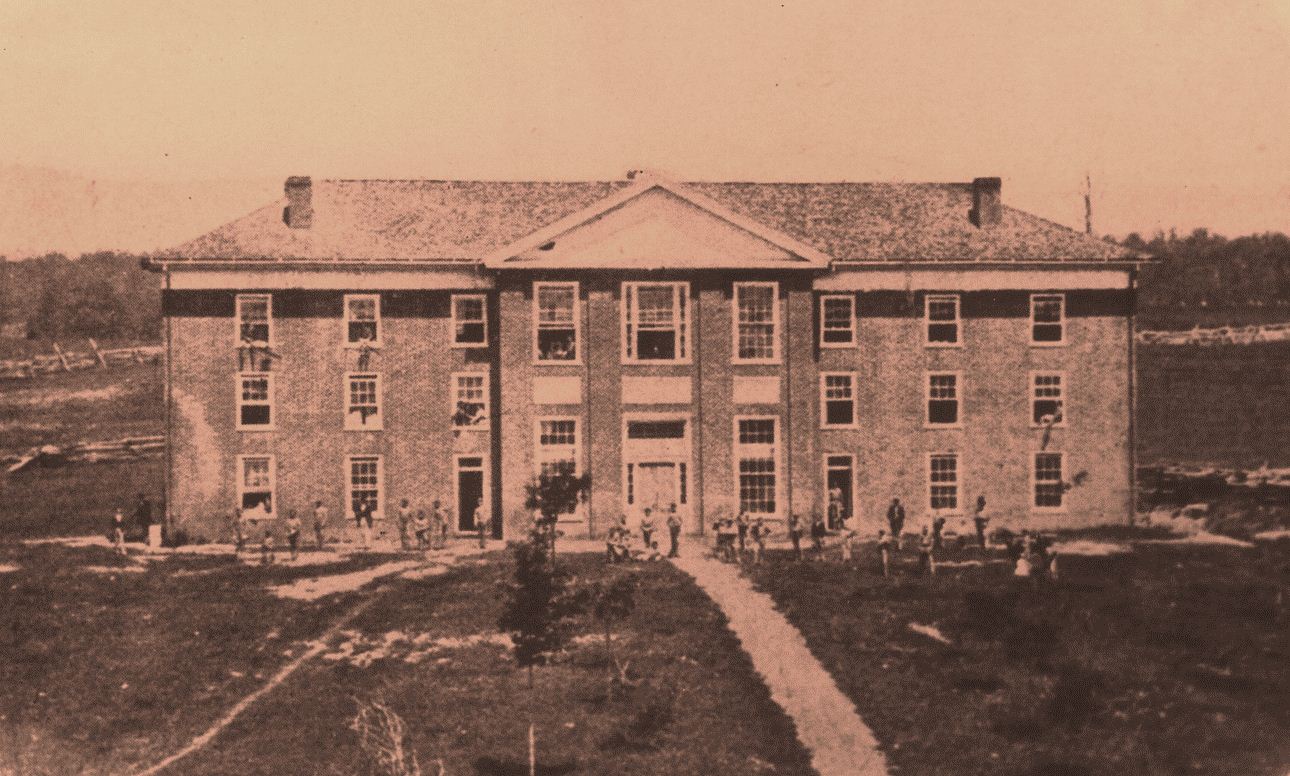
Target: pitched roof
[[463, 221]]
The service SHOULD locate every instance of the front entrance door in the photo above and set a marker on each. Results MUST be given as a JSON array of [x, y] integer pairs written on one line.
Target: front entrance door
[[470, 492], [657, 489]]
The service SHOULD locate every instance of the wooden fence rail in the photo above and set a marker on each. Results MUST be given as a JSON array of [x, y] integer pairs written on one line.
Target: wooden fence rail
[[1224, 335], [130, 448], [66, 361]]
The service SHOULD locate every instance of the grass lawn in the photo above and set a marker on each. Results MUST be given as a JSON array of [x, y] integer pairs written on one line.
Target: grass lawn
[[73, 500], [86, 405], [112, 672], [1186, 669]]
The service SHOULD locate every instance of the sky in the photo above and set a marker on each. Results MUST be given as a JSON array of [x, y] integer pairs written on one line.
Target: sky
[[1178, 111]]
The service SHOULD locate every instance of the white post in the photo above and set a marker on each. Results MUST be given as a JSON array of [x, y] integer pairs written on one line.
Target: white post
[[532, 751]]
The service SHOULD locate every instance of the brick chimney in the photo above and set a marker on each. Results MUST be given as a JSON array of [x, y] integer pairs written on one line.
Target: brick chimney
[[299, 212], [987, 202]]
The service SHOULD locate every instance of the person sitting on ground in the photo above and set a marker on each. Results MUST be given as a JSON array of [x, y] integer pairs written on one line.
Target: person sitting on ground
[[653, 553]]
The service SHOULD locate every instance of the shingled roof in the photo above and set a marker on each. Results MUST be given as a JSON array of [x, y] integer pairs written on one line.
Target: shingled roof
[[462, 221]]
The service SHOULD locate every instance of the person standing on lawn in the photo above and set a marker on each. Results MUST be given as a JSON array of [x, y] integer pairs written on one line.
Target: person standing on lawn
[[293, 533], [759, 531], [926, 563], [674, 532], [647, 528], [818, 531], [795, 534], [405, 523], [981, 520], [118, 532], [896, 520], [363, 521], [320, 522], [884, 550], [421, 526], [741, 523], [239, 533], [848, 535], [938, 525], [266, 548], [437, 526]]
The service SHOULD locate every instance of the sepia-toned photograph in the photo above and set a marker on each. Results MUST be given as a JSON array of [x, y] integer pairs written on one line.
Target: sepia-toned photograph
[[821, 388]]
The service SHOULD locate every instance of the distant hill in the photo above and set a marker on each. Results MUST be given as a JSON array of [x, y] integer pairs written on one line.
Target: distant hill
[[44, 211]]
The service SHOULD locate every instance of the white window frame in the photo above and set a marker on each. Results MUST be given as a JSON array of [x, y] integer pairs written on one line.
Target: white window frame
[[375, 343], [271, 403], [824, 400], [775, 336], [348, 506], [239, 300], [538, 286], [455, 396], [378, 423], [1034, 481], [550, 453], [1061, 398], [928, 322], [758, 450], [958, 483], [958, 399], [242, 489], [455, 321], [630, 325], [1061, 320], [850, 299]]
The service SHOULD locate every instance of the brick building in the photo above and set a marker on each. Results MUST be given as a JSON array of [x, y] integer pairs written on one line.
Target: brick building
[[712, 345]]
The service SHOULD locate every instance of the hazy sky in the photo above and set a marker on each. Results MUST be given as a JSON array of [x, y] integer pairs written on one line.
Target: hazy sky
[[1179, 110]]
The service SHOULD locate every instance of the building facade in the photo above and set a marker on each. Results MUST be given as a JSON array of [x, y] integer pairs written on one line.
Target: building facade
[[717, 346]]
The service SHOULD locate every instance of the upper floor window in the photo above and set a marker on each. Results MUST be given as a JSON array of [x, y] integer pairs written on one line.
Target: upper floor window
[[469, 320], [655, 324], [756, 322], [555, 316], [943, 399], [254, 319], [837, 321], [470, 400], [837, 400], [363, 319], [941, 319], [255, 400], [1047, 399], [1047, 319], [363, 402]]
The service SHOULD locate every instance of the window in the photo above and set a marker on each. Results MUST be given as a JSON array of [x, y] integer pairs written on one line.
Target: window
[[943, 399], [558, 449], [838, 400], [1047, 399], [837, 321], [469, 320], [756, 323], [363, 402], [363, 319], [470, 400], [555, 315], [756, 465], [364, 483], [255, 400], [254, 319], [656, 429], [255, 484], [1047, 319], [654, 321], [1049, 488], [943, 482], [941, 315]]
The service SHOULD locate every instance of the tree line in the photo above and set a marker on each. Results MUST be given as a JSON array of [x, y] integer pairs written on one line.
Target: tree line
[[1199, 279]]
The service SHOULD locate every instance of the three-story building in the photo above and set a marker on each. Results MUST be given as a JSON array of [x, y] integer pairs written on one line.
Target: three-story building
[[713, 346]]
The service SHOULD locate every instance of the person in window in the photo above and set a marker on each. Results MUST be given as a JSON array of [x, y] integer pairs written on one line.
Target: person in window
[[835, 507]]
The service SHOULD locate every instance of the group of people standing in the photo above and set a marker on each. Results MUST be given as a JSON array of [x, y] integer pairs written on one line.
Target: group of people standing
[[618, 540]]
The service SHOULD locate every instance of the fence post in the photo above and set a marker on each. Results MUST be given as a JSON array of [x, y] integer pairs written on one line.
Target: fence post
[[61, 357], [98, 353]]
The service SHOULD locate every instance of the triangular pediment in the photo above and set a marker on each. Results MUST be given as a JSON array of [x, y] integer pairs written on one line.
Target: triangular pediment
[[657, 225]]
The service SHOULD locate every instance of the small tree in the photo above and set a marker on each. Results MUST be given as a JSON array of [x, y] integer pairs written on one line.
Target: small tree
[[537, 615], [552, 495], [613, 601]]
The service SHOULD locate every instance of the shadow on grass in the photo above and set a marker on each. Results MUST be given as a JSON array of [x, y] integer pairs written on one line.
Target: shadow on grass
[[492, 766]]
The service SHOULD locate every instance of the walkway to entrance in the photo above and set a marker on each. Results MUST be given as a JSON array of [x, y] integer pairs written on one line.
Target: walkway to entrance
[[827, 723]]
